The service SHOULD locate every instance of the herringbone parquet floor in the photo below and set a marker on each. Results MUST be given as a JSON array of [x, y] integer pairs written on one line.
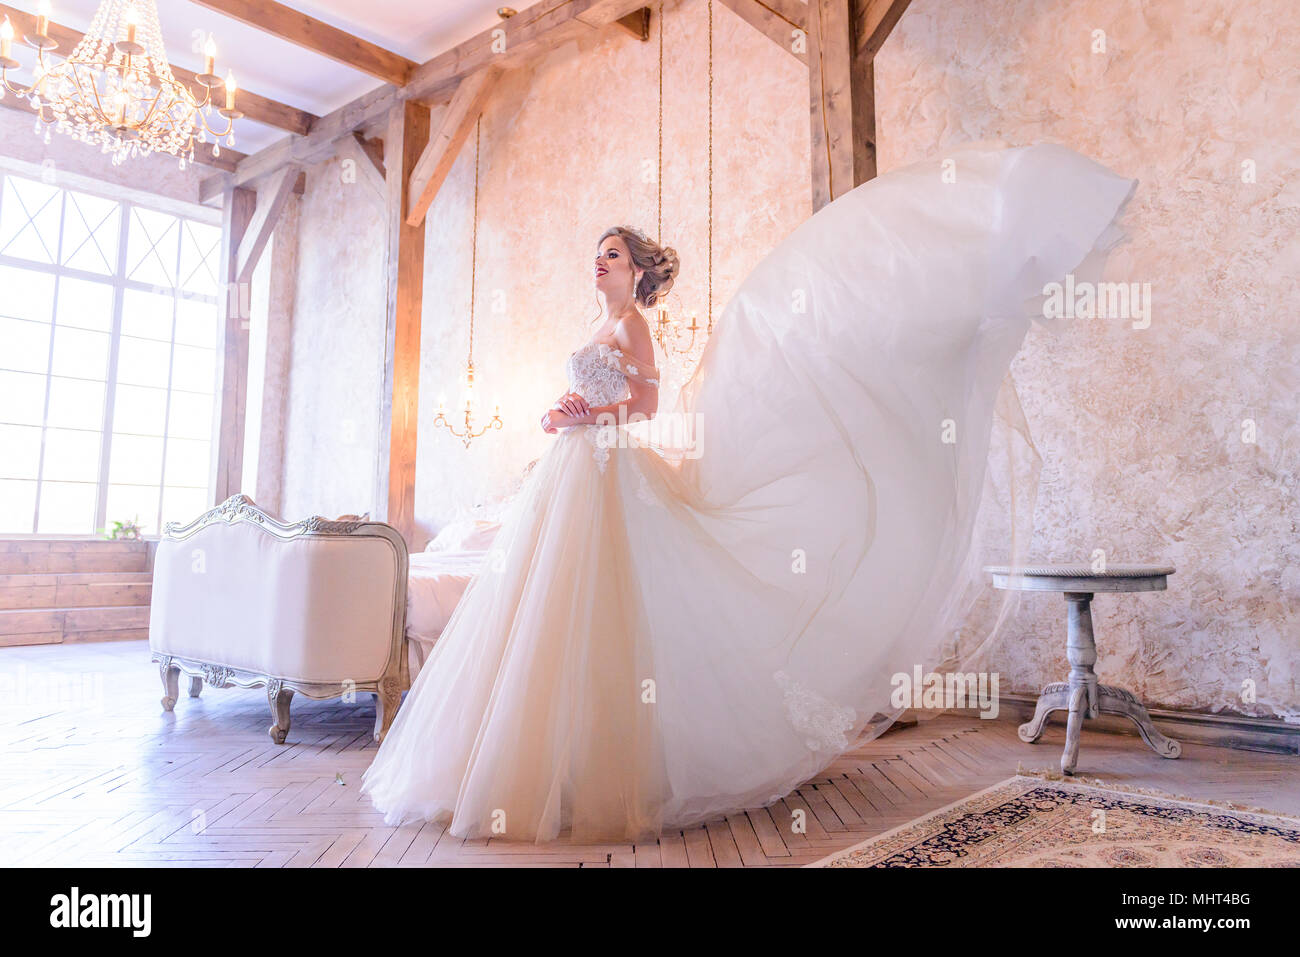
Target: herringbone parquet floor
[[95, 773]]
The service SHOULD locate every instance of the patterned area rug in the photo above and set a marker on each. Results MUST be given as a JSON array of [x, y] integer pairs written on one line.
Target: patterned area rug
[[1033, 822]]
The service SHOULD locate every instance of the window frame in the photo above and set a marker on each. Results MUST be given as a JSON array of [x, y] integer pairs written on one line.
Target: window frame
[[127, 200]]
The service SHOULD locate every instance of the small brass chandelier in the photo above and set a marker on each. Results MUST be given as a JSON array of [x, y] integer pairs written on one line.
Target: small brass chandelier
[[469, 433], [116, 89], [670, 332]]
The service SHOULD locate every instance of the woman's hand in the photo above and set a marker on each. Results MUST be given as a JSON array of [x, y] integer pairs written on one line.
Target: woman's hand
[[554, 420], [572, 404]]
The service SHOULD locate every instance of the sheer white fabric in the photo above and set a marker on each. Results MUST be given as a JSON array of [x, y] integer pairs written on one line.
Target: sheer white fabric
[[663, 633]]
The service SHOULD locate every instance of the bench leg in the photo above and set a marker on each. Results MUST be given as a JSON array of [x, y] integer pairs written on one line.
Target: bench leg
[[279, 697], [387, 701], [196, 685], [171, 680]]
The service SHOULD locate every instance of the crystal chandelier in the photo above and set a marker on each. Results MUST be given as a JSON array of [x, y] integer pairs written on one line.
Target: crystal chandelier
[[116, 89]]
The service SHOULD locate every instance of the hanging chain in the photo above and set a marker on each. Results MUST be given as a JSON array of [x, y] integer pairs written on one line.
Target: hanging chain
[[473, 255], [709, 300], [659, 176]]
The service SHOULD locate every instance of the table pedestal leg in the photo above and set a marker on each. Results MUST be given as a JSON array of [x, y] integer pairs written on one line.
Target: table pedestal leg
[[1084, 697], [1119, 701], [1081, 651]]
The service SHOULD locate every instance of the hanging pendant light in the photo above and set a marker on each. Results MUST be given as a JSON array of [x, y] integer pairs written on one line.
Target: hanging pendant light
[[469, 432], [674, 336]]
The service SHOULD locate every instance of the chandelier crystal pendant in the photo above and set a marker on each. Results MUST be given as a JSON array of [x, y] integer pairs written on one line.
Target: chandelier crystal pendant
[[468, 433], [116, 89]]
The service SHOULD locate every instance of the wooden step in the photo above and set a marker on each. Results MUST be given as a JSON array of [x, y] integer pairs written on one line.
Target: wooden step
[[33, 626], [75, 590], [35, 556]]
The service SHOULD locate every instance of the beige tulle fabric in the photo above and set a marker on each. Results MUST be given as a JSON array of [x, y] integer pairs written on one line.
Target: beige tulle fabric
[[668, 630]]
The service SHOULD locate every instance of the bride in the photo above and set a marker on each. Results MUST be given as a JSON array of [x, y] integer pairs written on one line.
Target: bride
[[662, 633]]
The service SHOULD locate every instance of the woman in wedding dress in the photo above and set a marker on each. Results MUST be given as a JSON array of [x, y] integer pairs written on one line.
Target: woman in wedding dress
[[663, 633]]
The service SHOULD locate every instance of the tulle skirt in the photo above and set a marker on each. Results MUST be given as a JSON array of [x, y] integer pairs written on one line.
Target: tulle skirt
[[666, 630]]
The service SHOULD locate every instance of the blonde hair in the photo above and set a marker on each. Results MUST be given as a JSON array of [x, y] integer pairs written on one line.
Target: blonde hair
[[659, 265]]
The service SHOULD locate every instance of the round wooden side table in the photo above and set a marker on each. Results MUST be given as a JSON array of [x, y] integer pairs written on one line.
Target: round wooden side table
[[1081, 694]]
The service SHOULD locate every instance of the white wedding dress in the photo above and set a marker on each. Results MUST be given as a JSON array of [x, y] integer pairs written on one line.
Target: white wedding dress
[[660, 636]]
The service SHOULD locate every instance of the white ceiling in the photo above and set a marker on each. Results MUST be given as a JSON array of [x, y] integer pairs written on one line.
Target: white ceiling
[[275, 68]]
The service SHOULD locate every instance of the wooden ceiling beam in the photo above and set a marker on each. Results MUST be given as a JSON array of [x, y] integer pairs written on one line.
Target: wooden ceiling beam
[[529, 33], [778, 20], [440, 154], [254, 107], [317, 36]]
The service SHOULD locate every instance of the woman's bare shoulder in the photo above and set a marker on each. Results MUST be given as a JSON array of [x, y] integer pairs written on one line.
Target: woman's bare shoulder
[[633, 335]]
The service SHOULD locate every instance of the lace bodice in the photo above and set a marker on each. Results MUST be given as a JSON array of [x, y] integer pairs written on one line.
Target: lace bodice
[[598, 372]]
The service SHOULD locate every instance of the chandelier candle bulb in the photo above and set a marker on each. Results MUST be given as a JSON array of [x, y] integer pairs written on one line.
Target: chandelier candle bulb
[[210, 52], [230, 91], [6, 41], [43, 19]]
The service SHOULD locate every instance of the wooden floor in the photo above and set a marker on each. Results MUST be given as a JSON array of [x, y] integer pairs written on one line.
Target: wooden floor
[[95, 773]]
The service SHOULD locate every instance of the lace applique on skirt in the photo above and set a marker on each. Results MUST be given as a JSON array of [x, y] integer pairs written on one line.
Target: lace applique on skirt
[[823, 723]]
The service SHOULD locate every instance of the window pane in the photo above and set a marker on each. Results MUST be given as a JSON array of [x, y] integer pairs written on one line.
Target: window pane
[[22, 398], [20, 451], [29, 219], [26, 345], [136, 460], [90, 229], [85, 304], [184, 504], [152, 247], [76, 403], [139, 409], [71, 455], [194, 369], [196, 323], [133, 503], [147, 314], [80, 353], [67, 508], [27, 294], [191, 416], [17, 507], [200, 249], [187, 463], [142, 361]]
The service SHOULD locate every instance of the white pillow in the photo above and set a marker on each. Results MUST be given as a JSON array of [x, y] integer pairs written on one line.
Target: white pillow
[[466, 535]]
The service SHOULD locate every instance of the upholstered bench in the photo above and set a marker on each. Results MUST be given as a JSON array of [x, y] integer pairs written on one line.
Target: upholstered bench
[[317, 607]]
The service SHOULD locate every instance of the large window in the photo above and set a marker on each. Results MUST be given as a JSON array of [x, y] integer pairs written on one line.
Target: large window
[[108, 337]]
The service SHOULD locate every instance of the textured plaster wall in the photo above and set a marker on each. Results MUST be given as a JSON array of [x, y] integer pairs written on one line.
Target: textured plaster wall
[[1141, 430], [336, 349]]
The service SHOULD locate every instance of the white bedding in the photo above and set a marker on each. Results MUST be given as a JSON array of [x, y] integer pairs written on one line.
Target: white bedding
[[437, 581]]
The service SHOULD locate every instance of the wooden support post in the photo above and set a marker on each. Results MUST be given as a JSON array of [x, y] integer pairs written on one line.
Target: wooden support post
[[238, 207], [841, 84], [408, 134]]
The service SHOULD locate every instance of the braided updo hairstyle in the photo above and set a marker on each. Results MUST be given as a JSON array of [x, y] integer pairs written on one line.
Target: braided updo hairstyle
[[659, 264]]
